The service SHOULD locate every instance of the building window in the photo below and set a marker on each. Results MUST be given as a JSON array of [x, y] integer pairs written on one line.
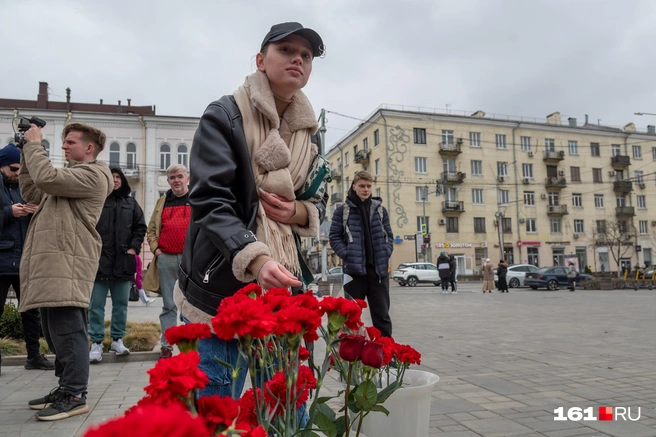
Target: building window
[[507, 225], [527, 171], [114, 155], [615, 150], [131, 156], [447, 137], [531, 226], [421, 194], [578, 226], [452, 225], [423, 224], [503, 196], [642, 202], [183, 155], [549, 144], [346, 160], [420, 165], [639, 177], [577, 200], [526, 144], [601, 226], [479, 225], [46, 145], [164, 156], [477, 196], [643, 227], [529, 198], [575, 174], [596, 175], [355, 151], [533, 257], [377, 192], [594, 149], [622, 226], [637, 152], [376, 138], [420, 135], [501, 141], [555, 226], [502, 169], [365, 144], [377, 167], [599, 200], [620, 201], [653, 153], [477, 168], [475, 140], [554, 199], [573, 147]]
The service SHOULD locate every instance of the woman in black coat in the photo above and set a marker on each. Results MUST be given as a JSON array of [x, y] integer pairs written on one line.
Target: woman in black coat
[[502, 271]]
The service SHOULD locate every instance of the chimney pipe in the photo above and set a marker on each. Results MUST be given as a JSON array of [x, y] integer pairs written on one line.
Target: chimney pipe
[[42, 98], [586, 118], [129, 102], [101, 100], [68, 95]]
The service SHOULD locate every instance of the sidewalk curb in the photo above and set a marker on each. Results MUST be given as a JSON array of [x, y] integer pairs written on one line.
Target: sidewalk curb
[[133, 357]]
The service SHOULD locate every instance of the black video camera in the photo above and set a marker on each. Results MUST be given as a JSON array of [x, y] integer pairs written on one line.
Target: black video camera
[[24, 124]]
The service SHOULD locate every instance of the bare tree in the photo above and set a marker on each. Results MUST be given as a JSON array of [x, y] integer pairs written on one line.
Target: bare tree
[[618, 236]]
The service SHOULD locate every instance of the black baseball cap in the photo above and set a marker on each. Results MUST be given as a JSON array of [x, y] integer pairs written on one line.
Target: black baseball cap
[[283, 30]]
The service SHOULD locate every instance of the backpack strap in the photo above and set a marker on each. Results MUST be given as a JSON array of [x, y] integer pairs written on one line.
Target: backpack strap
[[346, 210]]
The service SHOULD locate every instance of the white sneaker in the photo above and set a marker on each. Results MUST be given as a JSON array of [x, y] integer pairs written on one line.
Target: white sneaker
[[119, 348], [145, 299], [95, 356]]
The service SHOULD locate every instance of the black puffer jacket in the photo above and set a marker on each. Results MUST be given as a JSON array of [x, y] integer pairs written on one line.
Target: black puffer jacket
[[224, 202], [121, 227], [15, 229]]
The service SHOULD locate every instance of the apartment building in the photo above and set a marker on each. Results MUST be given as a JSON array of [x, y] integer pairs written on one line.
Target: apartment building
[[480, 185]]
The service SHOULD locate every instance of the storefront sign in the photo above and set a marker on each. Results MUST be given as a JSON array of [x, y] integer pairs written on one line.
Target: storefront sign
[[452, 245], [558, 243], [529, 243], [409, 237]]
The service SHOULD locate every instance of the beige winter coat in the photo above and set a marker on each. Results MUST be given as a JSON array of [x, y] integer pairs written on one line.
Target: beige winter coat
[[151, 280], [62, 248]]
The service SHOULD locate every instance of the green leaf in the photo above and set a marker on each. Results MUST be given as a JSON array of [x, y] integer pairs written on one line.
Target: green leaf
[[323, 400], [326, 411], [325, 424], [381, 409], [340, 426], [224, 363], [386, 393]]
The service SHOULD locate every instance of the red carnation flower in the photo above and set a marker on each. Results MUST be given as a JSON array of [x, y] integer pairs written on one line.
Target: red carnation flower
[[303, 353], [255, 432], [341, 312], [407, 354], [372, 354], [252, 290], [373, 333], [388, 348], [176, 377], [275, 393], [153, 420], [350, 347], [246, 404], [297, 320], [242, 316], [218, 411], [187, 336], [276, 298], [361, 303]]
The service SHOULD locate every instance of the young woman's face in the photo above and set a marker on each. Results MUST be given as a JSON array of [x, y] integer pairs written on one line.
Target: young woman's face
[[287, 64]]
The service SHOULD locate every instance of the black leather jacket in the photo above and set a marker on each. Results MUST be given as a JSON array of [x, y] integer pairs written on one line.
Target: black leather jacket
[[224, 203]]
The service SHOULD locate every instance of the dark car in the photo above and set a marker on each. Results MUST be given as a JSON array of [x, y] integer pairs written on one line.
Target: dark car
[[552, 278]]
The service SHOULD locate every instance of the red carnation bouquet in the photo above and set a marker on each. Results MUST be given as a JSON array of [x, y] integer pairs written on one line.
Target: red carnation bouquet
[[271, 328]]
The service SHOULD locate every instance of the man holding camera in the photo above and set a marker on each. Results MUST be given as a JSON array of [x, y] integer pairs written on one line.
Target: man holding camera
[[61, 253]]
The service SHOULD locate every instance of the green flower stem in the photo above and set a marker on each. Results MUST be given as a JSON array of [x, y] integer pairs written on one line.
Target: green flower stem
[[346, 396]]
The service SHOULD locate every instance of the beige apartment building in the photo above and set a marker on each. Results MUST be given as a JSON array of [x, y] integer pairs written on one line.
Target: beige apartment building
[[553, 186]]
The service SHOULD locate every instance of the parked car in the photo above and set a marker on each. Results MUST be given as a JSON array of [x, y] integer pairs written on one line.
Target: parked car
[[334, 275], [649, 272], [516, 274], [416, 273], [552, 278]]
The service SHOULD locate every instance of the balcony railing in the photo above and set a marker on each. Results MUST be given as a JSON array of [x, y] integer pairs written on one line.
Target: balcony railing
[[451, 149], [555, 182], [336, 174], [620, 161], [623, 186], [131, 171], [362, 156], [453, 206], [557, 210], [553, 155], [453, 177], [337, 198], [625, 211]]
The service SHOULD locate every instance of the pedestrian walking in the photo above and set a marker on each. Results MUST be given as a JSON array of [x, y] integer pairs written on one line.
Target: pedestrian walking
[[138, 282], [488, 276], [252, 156], [502, 271], [454, 271], [444, 270], [571, 276]]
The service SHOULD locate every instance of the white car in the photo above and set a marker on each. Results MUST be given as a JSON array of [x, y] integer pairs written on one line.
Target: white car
[[516, 274], [416, 273]]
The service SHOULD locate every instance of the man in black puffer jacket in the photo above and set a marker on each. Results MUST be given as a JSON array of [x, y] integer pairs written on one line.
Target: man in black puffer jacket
[[122, 228], [444, 269], [361, 235]]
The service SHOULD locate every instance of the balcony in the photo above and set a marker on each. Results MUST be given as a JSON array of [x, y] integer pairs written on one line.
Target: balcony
[[453, 177], [131, 171], [553, 156], [555, 183], [625, 211], [337, 198], [557, 210], [447, 149], [623, 186], [362, 156], [336, 174], [620, 161], [453, 206]]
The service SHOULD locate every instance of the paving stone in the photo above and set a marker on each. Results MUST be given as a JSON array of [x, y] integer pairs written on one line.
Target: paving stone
[[498, 427]]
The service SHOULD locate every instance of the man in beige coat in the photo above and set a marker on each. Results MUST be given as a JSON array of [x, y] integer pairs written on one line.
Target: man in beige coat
[[61, 253]]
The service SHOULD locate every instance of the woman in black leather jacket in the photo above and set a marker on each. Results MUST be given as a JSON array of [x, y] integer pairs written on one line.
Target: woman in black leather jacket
[[250, 156]]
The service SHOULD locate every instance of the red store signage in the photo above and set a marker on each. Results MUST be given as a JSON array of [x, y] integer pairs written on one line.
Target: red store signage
[[529, 243]]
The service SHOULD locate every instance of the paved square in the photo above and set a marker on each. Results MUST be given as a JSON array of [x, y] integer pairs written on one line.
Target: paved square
[[505, 362]]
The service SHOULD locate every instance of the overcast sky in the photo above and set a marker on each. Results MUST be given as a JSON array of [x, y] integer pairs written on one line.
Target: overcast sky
[[518, 57]]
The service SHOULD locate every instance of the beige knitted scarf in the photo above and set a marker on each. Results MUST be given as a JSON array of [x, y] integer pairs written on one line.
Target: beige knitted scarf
[[281, 153]]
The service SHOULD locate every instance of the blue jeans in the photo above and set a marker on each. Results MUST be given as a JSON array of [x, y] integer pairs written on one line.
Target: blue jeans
[[120, 295], [168, 266]]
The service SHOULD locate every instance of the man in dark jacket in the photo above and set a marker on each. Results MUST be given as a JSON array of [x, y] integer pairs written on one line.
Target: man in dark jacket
[[454, 269], [122, 228], [361, 235], [444, 269], [17, 215]]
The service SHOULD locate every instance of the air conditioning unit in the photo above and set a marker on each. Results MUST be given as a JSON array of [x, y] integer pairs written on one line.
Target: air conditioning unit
[[442, 221], [501, 178], [530, 154], [642, 185], [561, 173], [576, 236], [543, 196], [611, 173], [561, 154], [653, 222], [521, 220], [526, 180]]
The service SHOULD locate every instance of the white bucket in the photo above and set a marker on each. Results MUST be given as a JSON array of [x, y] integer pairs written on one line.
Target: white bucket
[[409, 408]]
